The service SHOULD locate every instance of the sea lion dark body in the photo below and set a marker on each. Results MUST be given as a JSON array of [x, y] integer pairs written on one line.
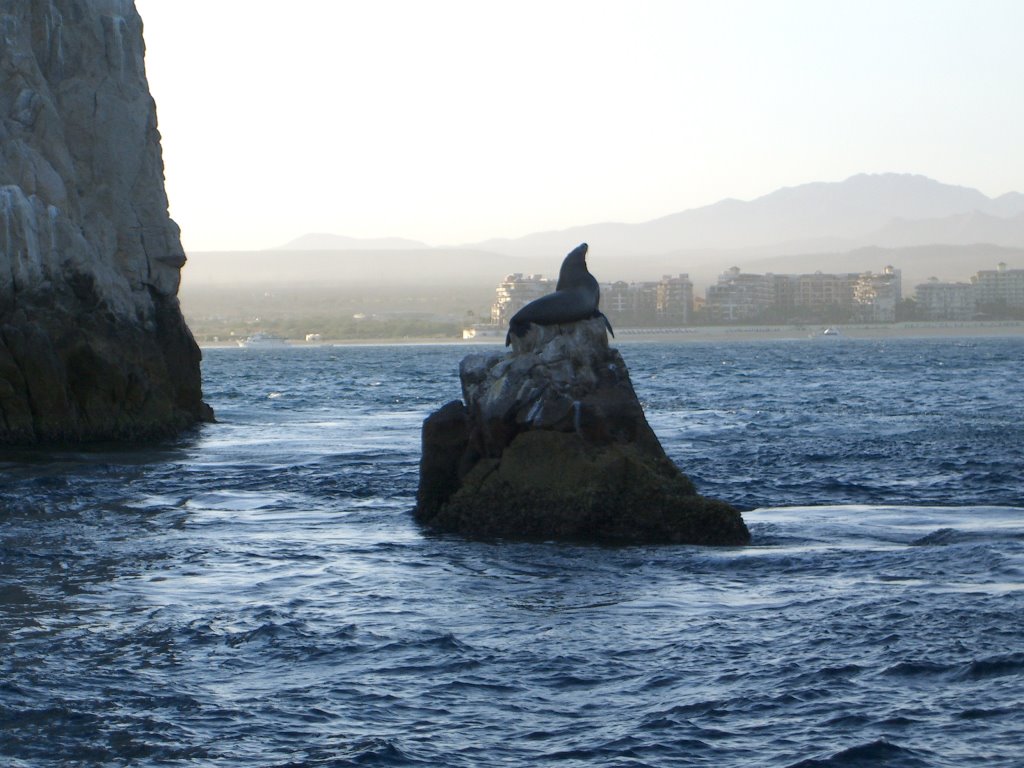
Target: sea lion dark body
[[576, 297]]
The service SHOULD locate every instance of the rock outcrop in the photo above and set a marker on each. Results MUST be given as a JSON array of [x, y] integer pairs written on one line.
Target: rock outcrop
[[93, 345], [550, 442]]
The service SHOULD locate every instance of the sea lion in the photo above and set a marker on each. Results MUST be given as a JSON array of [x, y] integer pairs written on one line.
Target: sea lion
[[575, 298]]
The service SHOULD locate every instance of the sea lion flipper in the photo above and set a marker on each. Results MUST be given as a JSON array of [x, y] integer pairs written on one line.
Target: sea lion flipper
[[516, 325], [607, 322]]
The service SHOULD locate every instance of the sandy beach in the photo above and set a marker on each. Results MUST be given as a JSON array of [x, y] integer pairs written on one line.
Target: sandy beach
[[850, 331], [725, 334]]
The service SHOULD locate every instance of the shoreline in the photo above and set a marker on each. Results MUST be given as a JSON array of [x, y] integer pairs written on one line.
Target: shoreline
[[717, 333]]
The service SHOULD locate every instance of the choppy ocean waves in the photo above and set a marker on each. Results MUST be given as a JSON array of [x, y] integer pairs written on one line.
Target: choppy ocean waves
[[842, 634], [257, 594]]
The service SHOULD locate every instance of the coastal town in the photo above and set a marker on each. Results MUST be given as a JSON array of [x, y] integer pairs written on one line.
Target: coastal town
[[875, 302], [818, 297]]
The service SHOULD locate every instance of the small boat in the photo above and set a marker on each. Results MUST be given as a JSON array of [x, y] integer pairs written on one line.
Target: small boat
[[482, 332], [263, 341], [826, 333]]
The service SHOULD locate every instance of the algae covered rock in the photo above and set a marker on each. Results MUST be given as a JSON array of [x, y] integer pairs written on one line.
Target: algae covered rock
[[550, 442]]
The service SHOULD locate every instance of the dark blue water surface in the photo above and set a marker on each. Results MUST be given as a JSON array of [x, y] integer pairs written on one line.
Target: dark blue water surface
[[256, 594]]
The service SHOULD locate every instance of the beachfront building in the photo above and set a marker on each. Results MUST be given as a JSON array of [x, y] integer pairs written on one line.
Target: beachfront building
[[875, 296], [992, 292], [739, 296], [616, 298], [866, 296], [822, 291], [937, 300], [515, 292], [736, 297], [668, 302], [674, 300], [630, 304], [999, 289]]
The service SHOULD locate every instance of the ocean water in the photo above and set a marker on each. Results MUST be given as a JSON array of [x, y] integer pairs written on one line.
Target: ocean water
[[257, 594]]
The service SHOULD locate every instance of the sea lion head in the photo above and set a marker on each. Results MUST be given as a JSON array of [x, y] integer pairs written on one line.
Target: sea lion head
[[574, 266]]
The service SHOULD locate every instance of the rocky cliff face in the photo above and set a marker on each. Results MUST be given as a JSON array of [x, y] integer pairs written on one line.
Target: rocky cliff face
[[551, 442], [92, 342]]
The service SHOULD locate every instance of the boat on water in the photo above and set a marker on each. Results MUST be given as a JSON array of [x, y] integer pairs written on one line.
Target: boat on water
[[263, 341], [483, 332], [826, 333]]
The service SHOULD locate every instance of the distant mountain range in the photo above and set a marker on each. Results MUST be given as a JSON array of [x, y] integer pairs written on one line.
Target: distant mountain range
[[888, 210], [866, 210], [318, 241], [919, 225]]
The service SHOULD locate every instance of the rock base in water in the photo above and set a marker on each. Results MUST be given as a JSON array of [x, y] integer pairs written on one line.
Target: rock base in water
[[551, 443], [67, 379]]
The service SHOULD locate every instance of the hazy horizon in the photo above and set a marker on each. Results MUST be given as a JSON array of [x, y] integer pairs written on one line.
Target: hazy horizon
[[921, 226], [458, 122]]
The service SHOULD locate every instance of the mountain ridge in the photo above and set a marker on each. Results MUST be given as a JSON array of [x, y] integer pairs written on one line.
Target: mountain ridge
[[851, 210], [843, 226], [860, 211], [323, 241]]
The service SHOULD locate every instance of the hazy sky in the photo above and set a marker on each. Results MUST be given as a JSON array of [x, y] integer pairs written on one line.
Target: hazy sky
[[452, 121]]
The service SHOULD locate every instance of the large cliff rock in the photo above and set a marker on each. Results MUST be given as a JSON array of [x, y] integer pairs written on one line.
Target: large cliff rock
[[551, 442], [92, 342]]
